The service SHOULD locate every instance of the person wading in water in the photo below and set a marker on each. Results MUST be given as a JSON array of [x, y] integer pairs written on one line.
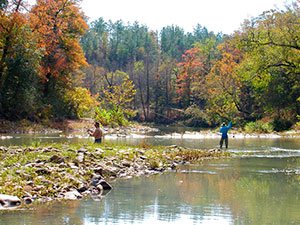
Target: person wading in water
[[97, 133], [224, 130]]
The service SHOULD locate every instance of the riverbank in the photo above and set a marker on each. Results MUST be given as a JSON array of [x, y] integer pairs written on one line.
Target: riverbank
[[58, 172], [80, 126], [66, 126]]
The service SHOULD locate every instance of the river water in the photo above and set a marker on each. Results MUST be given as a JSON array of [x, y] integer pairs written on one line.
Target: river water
[[261, 188]]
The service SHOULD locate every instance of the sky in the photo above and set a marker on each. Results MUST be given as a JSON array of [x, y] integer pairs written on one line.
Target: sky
[[224, 16]]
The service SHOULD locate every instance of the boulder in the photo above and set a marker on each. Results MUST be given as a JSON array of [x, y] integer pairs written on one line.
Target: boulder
[[28, 200], [7, 201], [105, 185], [98, 180], [72, 195]]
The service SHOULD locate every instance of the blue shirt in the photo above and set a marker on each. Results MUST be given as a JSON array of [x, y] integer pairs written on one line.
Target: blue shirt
[[224, 130]]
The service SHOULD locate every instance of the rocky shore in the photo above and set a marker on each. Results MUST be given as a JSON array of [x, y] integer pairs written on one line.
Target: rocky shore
[[58, 172]]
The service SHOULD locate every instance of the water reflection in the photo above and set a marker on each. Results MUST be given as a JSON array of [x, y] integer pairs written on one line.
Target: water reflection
[[231, 191], [235, 144], [263, 188]]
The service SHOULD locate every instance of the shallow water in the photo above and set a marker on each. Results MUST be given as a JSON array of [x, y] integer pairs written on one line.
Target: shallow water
[[230, 191], [261, 188], [165, 139]]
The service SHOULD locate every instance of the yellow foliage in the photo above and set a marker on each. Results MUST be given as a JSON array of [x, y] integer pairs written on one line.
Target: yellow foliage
[[82, 100]]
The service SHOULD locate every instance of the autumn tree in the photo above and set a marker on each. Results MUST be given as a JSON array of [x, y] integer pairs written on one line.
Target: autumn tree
[[224, 86], [271, 43], [19, 63], [80, 102], [149, 58], [189, 70], [59, 24]]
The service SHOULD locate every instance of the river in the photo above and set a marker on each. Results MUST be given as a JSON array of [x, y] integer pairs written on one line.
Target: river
[[261, 188]]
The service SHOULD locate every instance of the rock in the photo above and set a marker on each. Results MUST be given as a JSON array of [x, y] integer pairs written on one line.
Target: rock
[[27, 200], [100, 188], [82, 189], [173, 166], [72, 195], [80, 157], [110, 171], [96, 191], [82, 150], [98, 180], [56, 159], [99, 150], [98, 170], [173, 146], [105, 185], [7, 201], [38, 187], [72, 166], [43, 171], [214, 150], [126, 163], [143, 157]]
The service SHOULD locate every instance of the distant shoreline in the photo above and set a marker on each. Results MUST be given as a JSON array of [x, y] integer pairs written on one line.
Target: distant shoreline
[[138, 130]]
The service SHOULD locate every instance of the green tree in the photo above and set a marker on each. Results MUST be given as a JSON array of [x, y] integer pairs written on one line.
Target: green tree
[[272, 61], [116, 100]]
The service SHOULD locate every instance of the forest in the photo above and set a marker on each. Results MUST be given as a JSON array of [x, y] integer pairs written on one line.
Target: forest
[[55, 65]]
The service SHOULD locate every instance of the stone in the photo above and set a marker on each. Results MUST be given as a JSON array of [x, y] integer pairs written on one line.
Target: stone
[[173, 146], [126, 163], [43, 171], [80, 157], [96, 179], [82, 189], [82, 150], [143, 157], [27, 200], [98, 170], [110, 171], [105, 185], [7, 201], [72, 195], [56, 159], [99, 150], [173, 166]]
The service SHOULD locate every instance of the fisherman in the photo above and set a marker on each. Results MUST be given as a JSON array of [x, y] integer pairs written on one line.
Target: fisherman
[[97, 133], [224, 130]]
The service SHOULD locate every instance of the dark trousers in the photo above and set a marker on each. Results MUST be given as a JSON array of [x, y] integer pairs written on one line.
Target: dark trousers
[[226, 142], [99, 140]]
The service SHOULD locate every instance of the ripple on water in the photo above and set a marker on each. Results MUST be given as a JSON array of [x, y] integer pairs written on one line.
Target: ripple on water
[[273, 152], [277, 171], [198, 171]]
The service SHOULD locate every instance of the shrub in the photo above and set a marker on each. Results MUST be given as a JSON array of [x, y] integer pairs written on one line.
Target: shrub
[[259, 126], [281, 124], [111, 117], [80, 102], [195, 117]]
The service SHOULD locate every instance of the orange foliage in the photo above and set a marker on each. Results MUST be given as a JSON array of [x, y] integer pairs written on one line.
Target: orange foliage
[[189, 71], [59, 25]]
